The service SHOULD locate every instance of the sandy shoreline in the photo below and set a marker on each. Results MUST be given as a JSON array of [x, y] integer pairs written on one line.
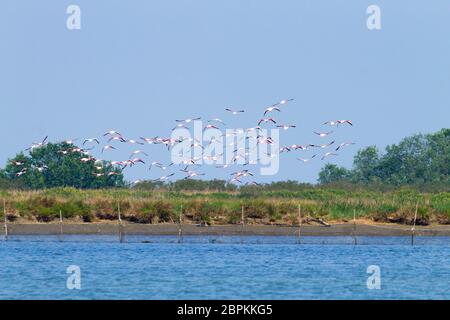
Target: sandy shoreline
[[344, 229]]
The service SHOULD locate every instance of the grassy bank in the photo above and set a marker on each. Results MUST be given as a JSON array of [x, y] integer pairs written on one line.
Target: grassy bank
[[265, 207]]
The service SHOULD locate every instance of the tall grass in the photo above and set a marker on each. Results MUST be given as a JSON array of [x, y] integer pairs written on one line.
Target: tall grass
[[280, 206]]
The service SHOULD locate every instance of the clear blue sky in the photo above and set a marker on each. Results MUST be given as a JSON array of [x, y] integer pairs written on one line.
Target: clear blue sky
[[135, 66]]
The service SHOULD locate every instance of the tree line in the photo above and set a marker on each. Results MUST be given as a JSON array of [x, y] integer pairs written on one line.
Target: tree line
[[416, 160], [59, 165]]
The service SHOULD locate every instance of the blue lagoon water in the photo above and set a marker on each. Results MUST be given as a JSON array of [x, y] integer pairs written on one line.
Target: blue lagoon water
[[224, 267]]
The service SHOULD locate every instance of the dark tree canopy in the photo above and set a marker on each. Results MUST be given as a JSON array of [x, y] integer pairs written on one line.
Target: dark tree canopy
[[332, 173], [59, 165], [417, 159], [188, 185]]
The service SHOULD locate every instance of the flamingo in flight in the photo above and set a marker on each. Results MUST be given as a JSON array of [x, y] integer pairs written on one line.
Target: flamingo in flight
[[188, 120], [245, 174], [180, 125], [79, 150], [331, 123], [272, 108], [156, 164], [134, 162], [91, 140], [191, 140], [70, 141], [108, 147], [345, 121], [210, 126], [164, 168], [286, 126], [297, 146], [217, 120], [191, 161], [328, 154], [242, 173], [263, 140], [131, 141], [323, 134], [196, 144], [338, 122], [234, 112], [116, 138], [282, 102], [223, 166], [323, 145], [344, 144], [163, 178], [112, 132], [192, 174], [306, 159], [160, 165], [285, 149], [266, 121], [235, 179], [118, 163], [138, 152], [38, 145], [149, 140]]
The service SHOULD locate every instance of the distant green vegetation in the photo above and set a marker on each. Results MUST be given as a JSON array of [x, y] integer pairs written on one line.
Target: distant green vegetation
[[58, 165], [264, 207], [416, 160]]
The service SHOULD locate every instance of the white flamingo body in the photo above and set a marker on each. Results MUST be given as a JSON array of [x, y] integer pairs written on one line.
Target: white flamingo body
[[328, 154], [234, 111], [323, 134]]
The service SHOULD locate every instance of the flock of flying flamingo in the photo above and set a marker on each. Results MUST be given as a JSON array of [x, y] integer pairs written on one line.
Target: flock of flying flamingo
[[113, 139]]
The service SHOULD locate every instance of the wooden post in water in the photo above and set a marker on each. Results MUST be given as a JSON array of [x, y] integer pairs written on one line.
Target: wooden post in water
[[299, 223], [414, 224], [60, 226], [6, 220], [355, 241], [180, 231], [120, 224], [243, 225]]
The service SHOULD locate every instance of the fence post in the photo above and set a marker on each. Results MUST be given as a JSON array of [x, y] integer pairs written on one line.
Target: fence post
[[414, 224], [180, 231], [243, 225], [60, 225], [6, 220], [120, 224], [299, 224], [355, 241]]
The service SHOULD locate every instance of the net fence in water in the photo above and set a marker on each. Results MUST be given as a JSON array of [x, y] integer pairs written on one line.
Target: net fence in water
[[235, 240], [344, 234]]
